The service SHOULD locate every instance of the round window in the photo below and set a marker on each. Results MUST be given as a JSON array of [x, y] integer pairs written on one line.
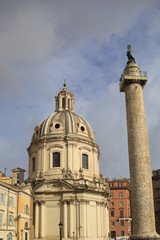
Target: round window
[[57, 125], [82, 128]]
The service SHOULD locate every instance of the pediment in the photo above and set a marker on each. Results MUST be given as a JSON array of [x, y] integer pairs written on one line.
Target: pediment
[[27, 189], [53, 187], [18, 169]]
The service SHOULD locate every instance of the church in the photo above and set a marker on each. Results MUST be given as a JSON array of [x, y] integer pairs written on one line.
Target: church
[[64, 175]]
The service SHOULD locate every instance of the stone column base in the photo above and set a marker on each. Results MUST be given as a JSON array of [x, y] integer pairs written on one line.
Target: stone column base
[[153, 236]]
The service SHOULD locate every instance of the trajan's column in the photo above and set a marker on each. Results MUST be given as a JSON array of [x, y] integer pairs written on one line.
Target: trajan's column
[[132, 82]]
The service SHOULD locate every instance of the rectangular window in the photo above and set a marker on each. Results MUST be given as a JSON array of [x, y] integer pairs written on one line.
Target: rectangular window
[[121, 203], [111, 184], [112, 204], [122, 233], [33, 164], [120, 184], [85, 161], [122, 223], [26, 236], [120, 194], [113, 224], [56, 159], [2, 198], [1, 218], [10, 220], [11, 201], [112, 213], [112, 195], [121, 214]]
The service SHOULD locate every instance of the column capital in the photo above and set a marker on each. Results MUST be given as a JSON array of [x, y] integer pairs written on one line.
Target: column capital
[[65, 201], [71, 201], [83, 201], [100, 203]]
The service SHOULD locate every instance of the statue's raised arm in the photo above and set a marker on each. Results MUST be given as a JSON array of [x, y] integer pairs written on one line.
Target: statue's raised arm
[[129, 54]]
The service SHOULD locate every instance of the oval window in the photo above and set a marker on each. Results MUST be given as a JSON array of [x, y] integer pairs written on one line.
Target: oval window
[[57, 125], [82, 128]]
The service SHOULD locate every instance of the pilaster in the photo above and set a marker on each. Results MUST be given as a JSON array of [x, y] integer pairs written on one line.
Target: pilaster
[[65, 224], [36, 219], [42, 218]]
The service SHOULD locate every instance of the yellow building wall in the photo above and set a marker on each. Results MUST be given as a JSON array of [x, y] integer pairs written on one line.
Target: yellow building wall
[[25, 216]]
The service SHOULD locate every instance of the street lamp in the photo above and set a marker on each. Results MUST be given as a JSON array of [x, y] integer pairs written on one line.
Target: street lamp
[[60, 229]]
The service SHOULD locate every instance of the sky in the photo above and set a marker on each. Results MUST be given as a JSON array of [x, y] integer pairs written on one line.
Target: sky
[[85, 42]]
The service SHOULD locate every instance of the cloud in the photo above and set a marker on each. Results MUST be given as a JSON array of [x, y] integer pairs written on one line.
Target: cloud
[[31, 31]]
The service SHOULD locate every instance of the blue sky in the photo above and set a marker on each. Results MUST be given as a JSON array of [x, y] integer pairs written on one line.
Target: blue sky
[[85, 42]]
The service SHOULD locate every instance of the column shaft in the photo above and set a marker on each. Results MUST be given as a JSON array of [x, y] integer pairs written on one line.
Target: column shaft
[[98, 221], [102, 221], [71, 220], [82, 219], [65, 219], [36, 220], [42, 220], [139, 159]]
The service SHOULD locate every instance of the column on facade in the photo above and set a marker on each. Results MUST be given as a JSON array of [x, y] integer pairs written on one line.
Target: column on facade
[[42, 158], [82, 218], [77, 202], [74, 167], [87, 219], [71, 220], [65, 218], [102, 219], [42, 219], [106, 211], [94, 162], [39, 159], [98, 220], [69, 156], [36, 219], [105, 222]]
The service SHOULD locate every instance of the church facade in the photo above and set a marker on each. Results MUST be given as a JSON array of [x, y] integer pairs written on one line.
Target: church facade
[[64, 175]]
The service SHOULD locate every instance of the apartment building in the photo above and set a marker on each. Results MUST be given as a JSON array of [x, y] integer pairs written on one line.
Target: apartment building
[[16, 209], [156, 194], [119, 208]]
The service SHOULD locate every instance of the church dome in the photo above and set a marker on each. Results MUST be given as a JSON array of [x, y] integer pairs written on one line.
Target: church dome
[[63, 123]]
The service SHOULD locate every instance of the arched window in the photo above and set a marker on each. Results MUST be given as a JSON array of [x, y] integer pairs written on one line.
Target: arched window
[[26, 209], [68, 103], [18, 178], [9, 236], [26, 225], [56, 159], [63, 102], [85, 161], [33, 164]]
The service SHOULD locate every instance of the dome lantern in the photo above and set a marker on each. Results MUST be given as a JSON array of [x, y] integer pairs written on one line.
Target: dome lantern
[[64, 100]]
